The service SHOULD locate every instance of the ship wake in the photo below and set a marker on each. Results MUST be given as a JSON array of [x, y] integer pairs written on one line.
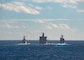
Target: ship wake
[[24, 44]]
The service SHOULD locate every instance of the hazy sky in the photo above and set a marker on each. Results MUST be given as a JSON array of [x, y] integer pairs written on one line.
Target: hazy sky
[[32, 17]]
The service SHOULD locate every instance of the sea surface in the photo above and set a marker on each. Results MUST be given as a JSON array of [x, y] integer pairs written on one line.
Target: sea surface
[[53, 50]]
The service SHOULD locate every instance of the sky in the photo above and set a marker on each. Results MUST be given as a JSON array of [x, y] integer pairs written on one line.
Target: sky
[[31, 18]]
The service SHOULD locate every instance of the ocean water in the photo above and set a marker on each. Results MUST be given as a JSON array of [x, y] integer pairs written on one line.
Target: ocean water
[[15, 50]]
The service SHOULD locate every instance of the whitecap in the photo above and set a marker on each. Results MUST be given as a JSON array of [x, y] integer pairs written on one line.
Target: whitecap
[[24, 44], [62, 44]]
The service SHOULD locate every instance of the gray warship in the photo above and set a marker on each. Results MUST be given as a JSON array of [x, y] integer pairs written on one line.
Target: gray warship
[[24, 40], [62, 40], [43, 39]]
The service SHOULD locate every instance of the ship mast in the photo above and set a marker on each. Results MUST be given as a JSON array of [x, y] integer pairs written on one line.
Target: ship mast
[[24, 38]]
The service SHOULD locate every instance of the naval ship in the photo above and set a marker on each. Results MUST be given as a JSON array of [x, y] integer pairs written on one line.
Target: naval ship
[[24, 40], [62, 40], [43, 39]]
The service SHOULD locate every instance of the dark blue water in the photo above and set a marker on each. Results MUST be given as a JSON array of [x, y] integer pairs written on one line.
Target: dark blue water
[[14, 50]]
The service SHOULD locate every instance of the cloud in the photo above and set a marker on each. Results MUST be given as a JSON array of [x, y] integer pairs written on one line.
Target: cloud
[[60, 26], [64, 3], [59, 1], [57, 26], [68, 6], [64, 26], [43, 1], [33, 20], [20, 7], [52, 26], [80, 11], [45, 23], [56, 1], [10, 26], [6, 26], [80, 0], [40, 21], [48, 27], [35, 7]]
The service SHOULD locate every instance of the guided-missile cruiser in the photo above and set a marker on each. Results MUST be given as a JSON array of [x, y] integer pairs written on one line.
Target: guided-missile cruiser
[[62, 39], [24, 40], [43, 39]]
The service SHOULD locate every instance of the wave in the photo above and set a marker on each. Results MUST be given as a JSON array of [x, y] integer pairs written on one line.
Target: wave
[[43, 44], [24, 44], [62, 44]]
